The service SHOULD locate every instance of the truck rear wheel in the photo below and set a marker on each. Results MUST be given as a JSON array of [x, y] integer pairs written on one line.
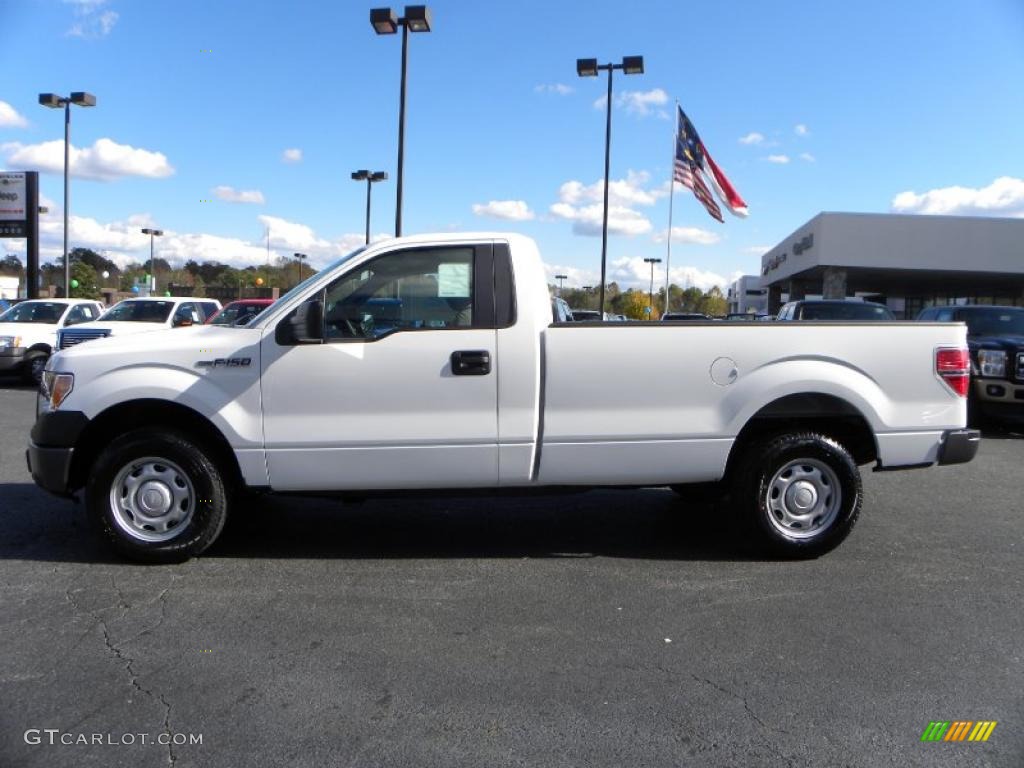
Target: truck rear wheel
[[156, 496], [798, 495]]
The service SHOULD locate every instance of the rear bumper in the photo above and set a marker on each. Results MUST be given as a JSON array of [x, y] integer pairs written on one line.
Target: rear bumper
[[959, 446], [50, 467]]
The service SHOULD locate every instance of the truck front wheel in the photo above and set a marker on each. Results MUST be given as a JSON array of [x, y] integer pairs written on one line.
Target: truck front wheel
[[156, 496], [798, 495]]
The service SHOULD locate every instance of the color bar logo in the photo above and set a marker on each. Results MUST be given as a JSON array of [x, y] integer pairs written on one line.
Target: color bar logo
[[958, 730]]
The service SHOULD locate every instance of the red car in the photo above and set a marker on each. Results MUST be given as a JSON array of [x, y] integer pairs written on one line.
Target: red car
[[239, 312]]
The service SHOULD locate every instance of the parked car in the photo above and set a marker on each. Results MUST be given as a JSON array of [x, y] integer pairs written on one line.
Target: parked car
[[835, 310], [560, 312], [141, 315], [238, 312], [586, 316], [474, 387], [673, 316], [734, 317], [995, 336], [28, 332]]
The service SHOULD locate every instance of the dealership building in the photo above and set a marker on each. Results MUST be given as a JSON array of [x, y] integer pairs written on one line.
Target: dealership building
[[907, 262]]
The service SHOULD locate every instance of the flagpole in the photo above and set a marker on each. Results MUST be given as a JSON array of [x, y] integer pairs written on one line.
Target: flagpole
[[671, 199]]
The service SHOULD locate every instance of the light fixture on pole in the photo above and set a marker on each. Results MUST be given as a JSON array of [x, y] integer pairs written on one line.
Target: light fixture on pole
[[631, 65], [560, 279], [369, 177], [300, 257], [417, 18], [152, 264], [652, 262], [52, 100]]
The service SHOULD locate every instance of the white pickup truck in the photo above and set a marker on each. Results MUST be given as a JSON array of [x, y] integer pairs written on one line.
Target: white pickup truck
[[434, 363]]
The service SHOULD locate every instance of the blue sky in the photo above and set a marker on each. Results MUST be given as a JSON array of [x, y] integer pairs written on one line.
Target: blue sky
[[875, 106]]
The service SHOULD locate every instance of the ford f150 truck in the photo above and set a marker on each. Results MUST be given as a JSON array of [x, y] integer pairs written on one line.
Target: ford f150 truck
[[435, 363]]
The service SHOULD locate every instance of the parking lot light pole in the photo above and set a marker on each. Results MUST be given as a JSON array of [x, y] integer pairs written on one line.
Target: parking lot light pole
[[650, 296], [300, 257], [53, 101], [369, 177], [152, 264], [560, 279], [417, 18], [631, 65]]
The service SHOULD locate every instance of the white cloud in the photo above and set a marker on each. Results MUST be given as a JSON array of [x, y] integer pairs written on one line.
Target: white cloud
[[627, 191], [558, 88], [634, 272], [232, 195], [574, 276], [584, 204], [93, 22], [587, 220], [807, 156], [752, 138], [122, 242], [640, 103], [513, 210], [105, 160], [694, 235], [778, 159], [1003, 197], [9, 117], [757, 250], [292, 155], [801, 130]]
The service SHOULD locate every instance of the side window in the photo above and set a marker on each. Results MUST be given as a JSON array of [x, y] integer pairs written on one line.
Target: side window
[[77, 315], [186, 313], [428, 288], [944, 315]]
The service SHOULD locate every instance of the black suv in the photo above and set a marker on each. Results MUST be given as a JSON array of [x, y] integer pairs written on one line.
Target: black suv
[[995, 336], [834, 310]]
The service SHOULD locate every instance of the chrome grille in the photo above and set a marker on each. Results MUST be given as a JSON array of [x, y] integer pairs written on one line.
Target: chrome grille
[[73, 336], [1020, 366]]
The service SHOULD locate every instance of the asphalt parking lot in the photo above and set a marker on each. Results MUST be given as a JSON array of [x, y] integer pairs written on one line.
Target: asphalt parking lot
[[602, 629]]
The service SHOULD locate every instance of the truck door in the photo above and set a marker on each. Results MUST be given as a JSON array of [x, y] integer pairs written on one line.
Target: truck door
[[402, 392]]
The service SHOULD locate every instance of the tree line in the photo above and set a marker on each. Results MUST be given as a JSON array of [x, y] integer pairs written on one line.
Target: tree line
[[633, 302], [88, 269]]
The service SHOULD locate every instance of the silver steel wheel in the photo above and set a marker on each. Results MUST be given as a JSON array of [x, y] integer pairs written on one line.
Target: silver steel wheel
[[803, 498], [152, 499]]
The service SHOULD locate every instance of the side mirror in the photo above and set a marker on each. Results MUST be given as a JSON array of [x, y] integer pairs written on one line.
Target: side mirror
[[307, 324]]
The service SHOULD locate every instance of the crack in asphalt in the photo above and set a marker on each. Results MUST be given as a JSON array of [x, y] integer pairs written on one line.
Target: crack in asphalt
[[128, 661], [751, 713]]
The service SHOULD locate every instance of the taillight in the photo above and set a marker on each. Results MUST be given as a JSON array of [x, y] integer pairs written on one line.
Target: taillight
[[953, 366]]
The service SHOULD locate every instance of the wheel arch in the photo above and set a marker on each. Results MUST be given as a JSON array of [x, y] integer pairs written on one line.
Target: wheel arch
[[819, 412], [150, 413]]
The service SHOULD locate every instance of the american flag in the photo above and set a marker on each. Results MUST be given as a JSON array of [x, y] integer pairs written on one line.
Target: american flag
[[695, 169]]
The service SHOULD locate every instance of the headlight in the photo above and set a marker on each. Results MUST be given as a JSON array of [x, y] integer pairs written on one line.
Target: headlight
[[992, 362], [10, 341], [54, 389]]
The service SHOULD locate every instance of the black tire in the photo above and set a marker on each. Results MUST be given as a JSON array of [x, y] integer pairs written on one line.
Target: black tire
[[32, 372], [771, 519], [207, 495]]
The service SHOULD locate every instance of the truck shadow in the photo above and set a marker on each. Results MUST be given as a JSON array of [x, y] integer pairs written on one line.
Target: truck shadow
[[644, 524]]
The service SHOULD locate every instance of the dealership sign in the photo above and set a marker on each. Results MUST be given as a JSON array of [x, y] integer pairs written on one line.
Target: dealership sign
[[13, 205], [805, 243]]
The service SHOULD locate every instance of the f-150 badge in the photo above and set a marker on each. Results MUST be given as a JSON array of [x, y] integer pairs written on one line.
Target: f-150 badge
[[225, 362]]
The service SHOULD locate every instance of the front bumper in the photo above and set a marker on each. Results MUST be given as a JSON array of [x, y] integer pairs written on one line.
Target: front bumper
[[959, 446], [11, 358], [51, 449], [50, 467]]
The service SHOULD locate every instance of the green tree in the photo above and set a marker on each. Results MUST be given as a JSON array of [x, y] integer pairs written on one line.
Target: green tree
[[85, 276], [11, 266], [713, 303]]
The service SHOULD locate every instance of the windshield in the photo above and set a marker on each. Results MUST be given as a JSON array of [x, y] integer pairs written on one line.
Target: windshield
[[846, 311], [47, 312], [236, 312], [994, 322], [140, 311]]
